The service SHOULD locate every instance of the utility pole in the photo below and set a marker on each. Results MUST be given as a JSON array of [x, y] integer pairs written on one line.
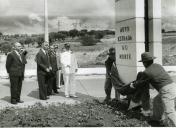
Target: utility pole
[[146, 6], [46, 39]]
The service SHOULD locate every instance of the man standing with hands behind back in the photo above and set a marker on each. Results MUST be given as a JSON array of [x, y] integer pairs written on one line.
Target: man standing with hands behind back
[[43, 70], [15, 65]]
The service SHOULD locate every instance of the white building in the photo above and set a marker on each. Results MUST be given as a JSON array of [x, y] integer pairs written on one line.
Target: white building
[[66, 24]]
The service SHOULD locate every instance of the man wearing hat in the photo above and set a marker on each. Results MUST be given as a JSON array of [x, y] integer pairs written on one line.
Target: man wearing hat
[[162, 82], [112, 76], [69, 68]]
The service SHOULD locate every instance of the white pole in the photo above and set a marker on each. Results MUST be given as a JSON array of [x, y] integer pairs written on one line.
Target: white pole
[[46, 22]]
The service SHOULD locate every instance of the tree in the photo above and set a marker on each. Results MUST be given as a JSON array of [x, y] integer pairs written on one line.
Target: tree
[[40, 40], [88, 40], [28, 41], [83, 32], [1, 34], [16, 35], [92, 32], [52, 36], [99, 35], [22, 41], [163, 30], [73, 33], [61, 36], [6, 47]]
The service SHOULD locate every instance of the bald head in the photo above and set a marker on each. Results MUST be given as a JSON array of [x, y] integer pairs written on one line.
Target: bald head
[[17, 46], [45, 45]]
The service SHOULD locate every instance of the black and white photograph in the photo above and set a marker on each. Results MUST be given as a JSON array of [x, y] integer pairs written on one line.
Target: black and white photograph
[[87, 63]]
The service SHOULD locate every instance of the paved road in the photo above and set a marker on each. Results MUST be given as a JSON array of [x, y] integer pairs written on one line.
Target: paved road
[[87, 87]]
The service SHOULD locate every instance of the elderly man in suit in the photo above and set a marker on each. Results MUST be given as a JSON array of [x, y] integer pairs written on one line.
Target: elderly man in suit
[[15, 66], [43, 70], [69, 68]]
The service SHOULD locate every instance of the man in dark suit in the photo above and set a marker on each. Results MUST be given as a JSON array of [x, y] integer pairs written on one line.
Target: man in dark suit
[[52, 81], [43, 70], [15, 66]]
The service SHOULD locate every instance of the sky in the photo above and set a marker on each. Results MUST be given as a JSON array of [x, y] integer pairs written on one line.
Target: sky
[[26, 16]]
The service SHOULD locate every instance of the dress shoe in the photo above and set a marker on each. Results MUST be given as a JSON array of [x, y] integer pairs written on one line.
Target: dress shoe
[[42, 99], [20, 101], [13, 102], [67, 96], [56, 92], [74, 96]]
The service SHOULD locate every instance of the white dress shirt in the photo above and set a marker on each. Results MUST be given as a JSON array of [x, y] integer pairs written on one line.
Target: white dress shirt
[[43, 51], [18, 55]]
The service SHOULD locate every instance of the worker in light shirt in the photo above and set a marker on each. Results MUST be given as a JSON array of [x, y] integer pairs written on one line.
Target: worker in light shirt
[[69, 68]]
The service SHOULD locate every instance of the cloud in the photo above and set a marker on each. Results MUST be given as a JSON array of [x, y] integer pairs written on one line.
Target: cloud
[[168, 8], [20, 24], [4, 6], [89, 8], [169, 23], [35, 18], [58, 7], [26, 16]]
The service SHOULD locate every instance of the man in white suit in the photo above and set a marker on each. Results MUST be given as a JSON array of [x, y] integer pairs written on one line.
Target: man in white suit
[[69, 68]]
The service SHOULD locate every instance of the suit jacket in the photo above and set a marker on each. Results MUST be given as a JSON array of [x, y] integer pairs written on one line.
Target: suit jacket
[[42, 62], [14, 65], [53, 61]]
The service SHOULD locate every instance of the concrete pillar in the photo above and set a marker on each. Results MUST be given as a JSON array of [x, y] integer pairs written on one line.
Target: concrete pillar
[[155, 36], [130, 37]]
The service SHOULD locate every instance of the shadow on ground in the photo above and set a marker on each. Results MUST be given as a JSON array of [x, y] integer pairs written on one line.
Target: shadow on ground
[[6, 98], [6, 84], [34, 94]]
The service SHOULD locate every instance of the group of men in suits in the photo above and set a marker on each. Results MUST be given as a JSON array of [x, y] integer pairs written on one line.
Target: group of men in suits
[[48, 63]]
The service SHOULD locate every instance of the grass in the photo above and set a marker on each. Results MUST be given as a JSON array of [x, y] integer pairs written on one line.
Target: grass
[[86, 114]]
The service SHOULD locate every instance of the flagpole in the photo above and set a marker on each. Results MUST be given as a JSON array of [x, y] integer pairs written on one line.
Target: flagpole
[[46, 22]]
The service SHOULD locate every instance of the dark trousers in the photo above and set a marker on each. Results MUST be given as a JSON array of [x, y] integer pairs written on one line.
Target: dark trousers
[[52, 84], [42, 82], [54, 87], [15, 88], [61, 79], [137, 94], [108, 87]]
